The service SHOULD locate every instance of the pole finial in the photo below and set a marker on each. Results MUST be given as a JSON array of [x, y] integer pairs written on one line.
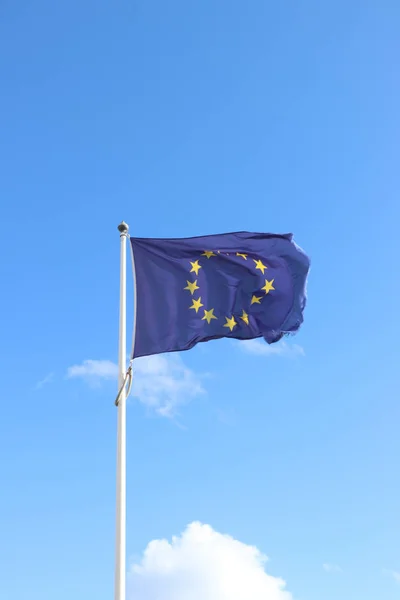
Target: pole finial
[[123, 228]]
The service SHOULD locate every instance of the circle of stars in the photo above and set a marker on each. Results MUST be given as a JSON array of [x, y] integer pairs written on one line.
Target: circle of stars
[[208, 313]]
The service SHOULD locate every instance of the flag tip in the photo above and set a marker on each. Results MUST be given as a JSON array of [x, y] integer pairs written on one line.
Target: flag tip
[[123, 227]]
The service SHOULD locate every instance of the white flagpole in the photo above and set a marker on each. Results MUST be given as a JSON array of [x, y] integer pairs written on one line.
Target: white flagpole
[[120, 549]]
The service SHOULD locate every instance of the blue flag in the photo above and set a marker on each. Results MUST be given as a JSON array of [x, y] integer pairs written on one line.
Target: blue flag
[[238, 285]]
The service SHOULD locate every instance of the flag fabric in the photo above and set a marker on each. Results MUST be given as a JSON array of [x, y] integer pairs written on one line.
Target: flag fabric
[[238, 285]]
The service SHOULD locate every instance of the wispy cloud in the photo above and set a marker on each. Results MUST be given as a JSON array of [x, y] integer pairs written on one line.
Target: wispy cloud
[[261, 348], [48, 379], [94, 371], [163, 383], [393, 574], [331, 568]]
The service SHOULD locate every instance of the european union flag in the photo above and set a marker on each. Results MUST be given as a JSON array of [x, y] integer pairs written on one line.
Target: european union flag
[[238, 285]]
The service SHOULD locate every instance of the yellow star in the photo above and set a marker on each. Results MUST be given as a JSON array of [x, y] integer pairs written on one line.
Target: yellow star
[[256, 300], [191, 286], [196, 267], [196, 304], [208, 315], [245, 317], [208, 253], [242, 255], [231, 323], [259, 265], [269, 285]]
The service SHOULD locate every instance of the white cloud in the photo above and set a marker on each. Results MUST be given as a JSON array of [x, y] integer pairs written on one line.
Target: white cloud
[[161, 382], [203, 564], [93, 371], [261, 348], [331, 568], [164, 383], [394, 574], [48, 379]]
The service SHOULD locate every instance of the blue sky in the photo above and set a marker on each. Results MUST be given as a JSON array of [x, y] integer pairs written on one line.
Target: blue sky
[[187, 119]]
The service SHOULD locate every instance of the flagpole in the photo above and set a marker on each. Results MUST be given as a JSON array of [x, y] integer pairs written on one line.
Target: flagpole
[[120, 548]]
